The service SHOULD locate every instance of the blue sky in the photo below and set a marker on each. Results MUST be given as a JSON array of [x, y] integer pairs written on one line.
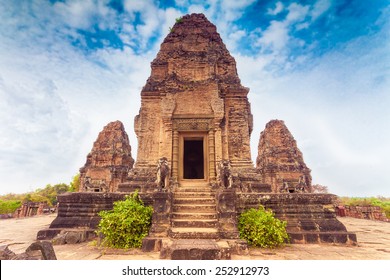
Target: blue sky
[[67, 68]]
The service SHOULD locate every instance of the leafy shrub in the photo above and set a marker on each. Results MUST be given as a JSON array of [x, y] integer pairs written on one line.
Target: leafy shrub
[[261, 229], [126, 224]]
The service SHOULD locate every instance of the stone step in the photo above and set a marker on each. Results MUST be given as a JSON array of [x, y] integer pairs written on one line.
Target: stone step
[[193, 194], [195, 223], [196, 216], [204, 208], [193, 233], [198, 249], [193, 189], [194, 200]]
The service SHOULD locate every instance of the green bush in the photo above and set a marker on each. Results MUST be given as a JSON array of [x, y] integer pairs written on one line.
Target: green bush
[[126, 224], [260, 228]]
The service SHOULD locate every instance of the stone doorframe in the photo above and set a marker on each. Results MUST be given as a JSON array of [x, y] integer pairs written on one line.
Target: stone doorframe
[[185, 136], [186, 127]]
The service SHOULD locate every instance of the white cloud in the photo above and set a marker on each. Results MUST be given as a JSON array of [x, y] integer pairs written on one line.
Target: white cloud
[[137, 6], [319, 8], [77, 14], [303, 25], [278, 40], [198, 9], [296, 13], [278, 8], [275, 37], [154, 22], [232, 9]]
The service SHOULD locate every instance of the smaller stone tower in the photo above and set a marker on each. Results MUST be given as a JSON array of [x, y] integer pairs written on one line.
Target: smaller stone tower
[[280, 161], [108, 162]]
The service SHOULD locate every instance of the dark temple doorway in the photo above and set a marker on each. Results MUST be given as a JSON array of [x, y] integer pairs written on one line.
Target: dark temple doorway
[[193, 159]]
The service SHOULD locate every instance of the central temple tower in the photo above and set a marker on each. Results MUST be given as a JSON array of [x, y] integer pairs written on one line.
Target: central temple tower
[[194, 110]]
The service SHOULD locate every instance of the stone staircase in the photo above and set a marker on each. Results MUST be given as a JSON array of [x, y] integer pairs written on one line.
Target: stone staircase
[[194, 214]]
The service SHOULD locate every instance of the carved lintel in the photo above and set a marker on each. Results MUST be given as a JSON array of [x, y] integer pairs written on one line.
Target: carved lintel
[[192, 124]]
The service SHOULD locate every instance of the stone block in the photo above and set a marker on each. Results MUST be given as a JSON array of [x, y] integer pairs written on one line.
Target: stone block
[[332, 237], [296, 238], [150, 244], [312, 238], [40, 250], [45, 247], [48, 234], [6, 253]]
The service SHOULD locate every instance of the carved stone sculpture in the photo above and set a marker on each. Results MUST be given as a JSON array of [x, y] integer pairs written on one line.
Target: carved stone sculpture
[[225, 174], [162, 173]]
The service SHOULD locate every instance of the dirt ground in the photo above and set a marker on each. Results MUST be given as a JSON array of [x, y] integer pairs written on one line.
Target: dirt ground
[[373, 244]]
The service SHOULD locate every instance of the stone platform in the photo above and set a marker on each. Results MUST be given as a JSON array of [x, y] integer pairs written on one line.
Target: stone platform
[[311, 218]]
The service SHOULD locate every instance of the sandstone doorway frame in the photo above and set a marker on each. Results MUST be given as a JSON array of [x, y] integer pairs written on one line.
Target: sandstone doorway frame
[[198, 127], [188, 136]]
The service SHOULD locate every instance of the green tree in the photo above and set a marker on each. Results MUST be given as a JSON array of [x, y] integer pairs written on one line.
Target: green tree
[[75, 184], [9, 206], [51, 192]]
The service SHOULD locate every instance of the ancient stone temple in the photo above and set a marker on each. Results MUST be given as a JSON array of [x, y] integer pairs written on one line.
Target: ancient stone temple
[[193, 162]]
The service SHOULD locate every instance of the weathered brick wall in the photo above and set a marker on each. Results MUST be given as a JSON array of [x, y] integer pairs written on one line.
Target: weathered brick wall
[[30, 209], [365, 212]]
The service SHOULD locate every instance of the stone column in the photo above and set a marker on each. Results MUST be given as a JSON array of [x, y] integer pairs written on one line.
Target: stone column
[[218, 144], [166, 139], [175, 156], [225, 144], [211, 155]]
